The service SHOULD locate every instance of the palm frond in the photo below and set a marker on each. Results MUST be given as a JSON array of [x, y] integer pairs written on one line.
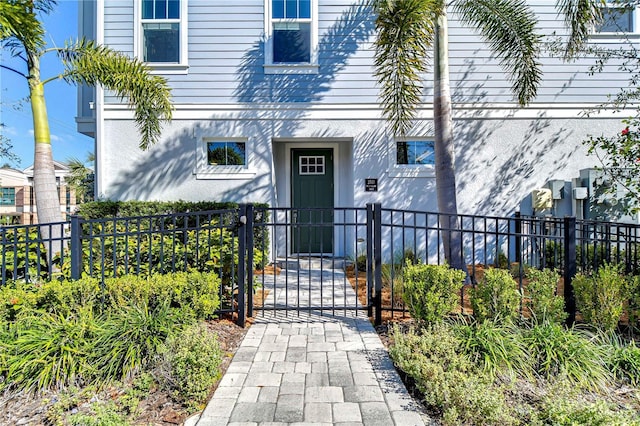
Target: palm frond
[[149, 95], [580, 16], [508, 26], [18, 21], [405, 36]]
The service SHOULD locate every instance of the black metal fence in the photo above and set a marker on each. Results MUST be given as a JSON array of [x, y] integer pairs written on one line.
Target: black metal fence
[[296, 259]]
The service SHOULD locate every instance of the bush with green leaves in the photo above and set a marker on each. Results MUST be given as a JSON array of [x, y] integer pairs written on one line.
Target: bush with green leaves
[[494, 347], [568, 410], [601, 297], [69, 333], [63, 297], [50, 350], [447, 379], [17, 298], [121, 209], [130, 337], [431, 291], [623, 357], [189, 365], [496, 297], [24, 257], [572, 354], [633, 308], [544, 302], [195, 294]]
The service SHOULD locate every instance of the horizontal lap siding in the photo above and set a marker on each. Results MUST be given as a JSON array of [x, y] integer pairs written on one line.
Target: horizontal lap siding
[[226, 57]]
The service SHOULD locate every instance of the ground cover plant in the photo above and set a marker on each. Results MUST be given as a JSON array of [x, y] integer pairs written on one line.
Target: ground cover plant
[[102, 350], [513, 366]]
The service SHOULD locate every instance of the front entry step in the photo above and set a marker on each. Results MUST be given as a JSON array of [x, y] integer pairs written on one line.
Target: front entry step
[[311, 263]]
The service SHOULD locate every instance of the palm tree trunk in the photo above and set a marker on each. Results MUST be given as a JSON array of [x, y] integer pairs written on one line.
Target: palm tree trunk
[[444, 146], [44, 178]]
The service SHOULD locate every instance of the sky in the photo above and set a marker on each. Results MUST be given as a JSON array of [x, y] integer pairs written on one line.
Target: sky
[[60, 25]]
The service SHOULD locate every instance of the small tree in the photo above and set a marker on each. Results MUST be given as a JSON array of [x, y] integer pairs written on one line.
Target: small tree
[[22, 34], [81, 178], [619, 156]]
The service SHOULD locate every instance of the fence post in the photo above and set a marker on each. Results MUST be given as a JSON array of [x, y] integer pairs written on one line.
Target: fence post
[[569, 267], [377, 254], [518, 241], [370, 260], [250, 248], [75, 247], [242, 250]]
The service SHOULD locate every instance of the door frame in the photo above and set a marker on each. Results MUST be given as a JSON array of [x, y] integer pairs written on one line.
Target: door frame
[[337, 178]]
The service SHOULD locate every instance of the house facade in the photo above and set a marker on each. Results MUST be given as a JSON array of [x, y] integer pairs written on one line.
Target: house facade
[[18, 202], [276, 102]]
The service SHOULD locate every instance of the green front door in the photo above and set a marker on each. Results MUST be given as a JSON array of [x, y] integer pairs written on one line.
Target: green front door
[[312, 200]]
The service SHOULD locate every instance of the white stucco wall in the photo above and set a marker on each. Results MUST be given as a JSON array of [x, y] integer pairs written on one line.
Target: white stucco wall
[[499, 160]]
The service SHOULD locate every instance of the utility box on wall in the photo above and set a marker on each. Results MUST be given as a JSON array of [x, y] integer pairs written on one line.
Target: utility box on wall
[[605, 199]]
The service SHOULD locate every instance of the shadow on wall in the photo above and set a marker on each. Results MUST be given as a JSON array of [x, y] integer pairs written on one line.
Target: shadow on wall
[[494, 179], [170, 164]]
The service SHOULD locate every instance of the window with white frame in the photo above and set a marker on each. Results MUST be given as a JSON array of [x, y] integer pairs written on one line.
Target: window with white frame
[[162, 32], [618, 17], [226, 153], [415, 152], [291, 28], [223, 158], [412, 157]]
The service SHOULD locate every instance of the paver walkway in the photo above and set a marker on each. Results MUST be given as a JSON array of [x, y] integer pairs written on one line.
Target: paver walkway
[[311, 369]]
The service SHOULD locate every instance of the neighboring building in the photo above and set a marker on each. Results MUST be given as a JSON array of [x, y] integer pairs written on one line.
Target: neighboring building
[[275, 101], [18, 204]]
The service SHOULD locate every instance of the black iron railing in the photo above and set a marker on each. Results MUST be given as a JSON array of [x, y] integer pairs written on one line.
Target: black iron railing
[[359, 250]]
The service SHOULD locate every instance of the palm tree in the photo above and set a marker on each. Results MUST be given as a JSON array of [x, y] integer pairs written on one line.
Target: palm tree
[[81, 178], [408, 32], [85, 62]]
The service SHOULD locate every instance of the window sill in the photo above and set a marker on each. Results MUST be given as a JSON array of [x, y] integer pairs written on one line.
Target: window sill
[[224, 174], [291, 69], [168, 68], [614, 37], [411, 172]]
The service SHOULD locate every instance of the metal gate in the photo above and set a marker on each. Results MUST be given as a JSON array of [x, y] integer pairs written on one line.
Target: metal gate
[[274, 274]]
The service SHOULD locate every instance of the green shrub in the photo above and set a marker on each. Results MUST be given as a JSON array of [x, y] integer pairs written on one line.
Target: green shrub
[[191, 362], [494, 348], [51, 351], [64, 297], [600, 298], [556, 352], [496, 297], [447, 380], [102, 414], [109, 209], [130, 337], [544, 303], [431, 291], [633, 294], [566, 410], [623, 357], [17, 298], [24, 258], [195, 293]]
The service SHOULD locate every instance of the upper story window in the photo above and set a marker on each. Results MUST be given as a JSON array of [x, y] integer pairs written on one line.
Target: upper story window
[[412, 157], [161, 39], [618, 17], [291, 29], [8, 197]]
